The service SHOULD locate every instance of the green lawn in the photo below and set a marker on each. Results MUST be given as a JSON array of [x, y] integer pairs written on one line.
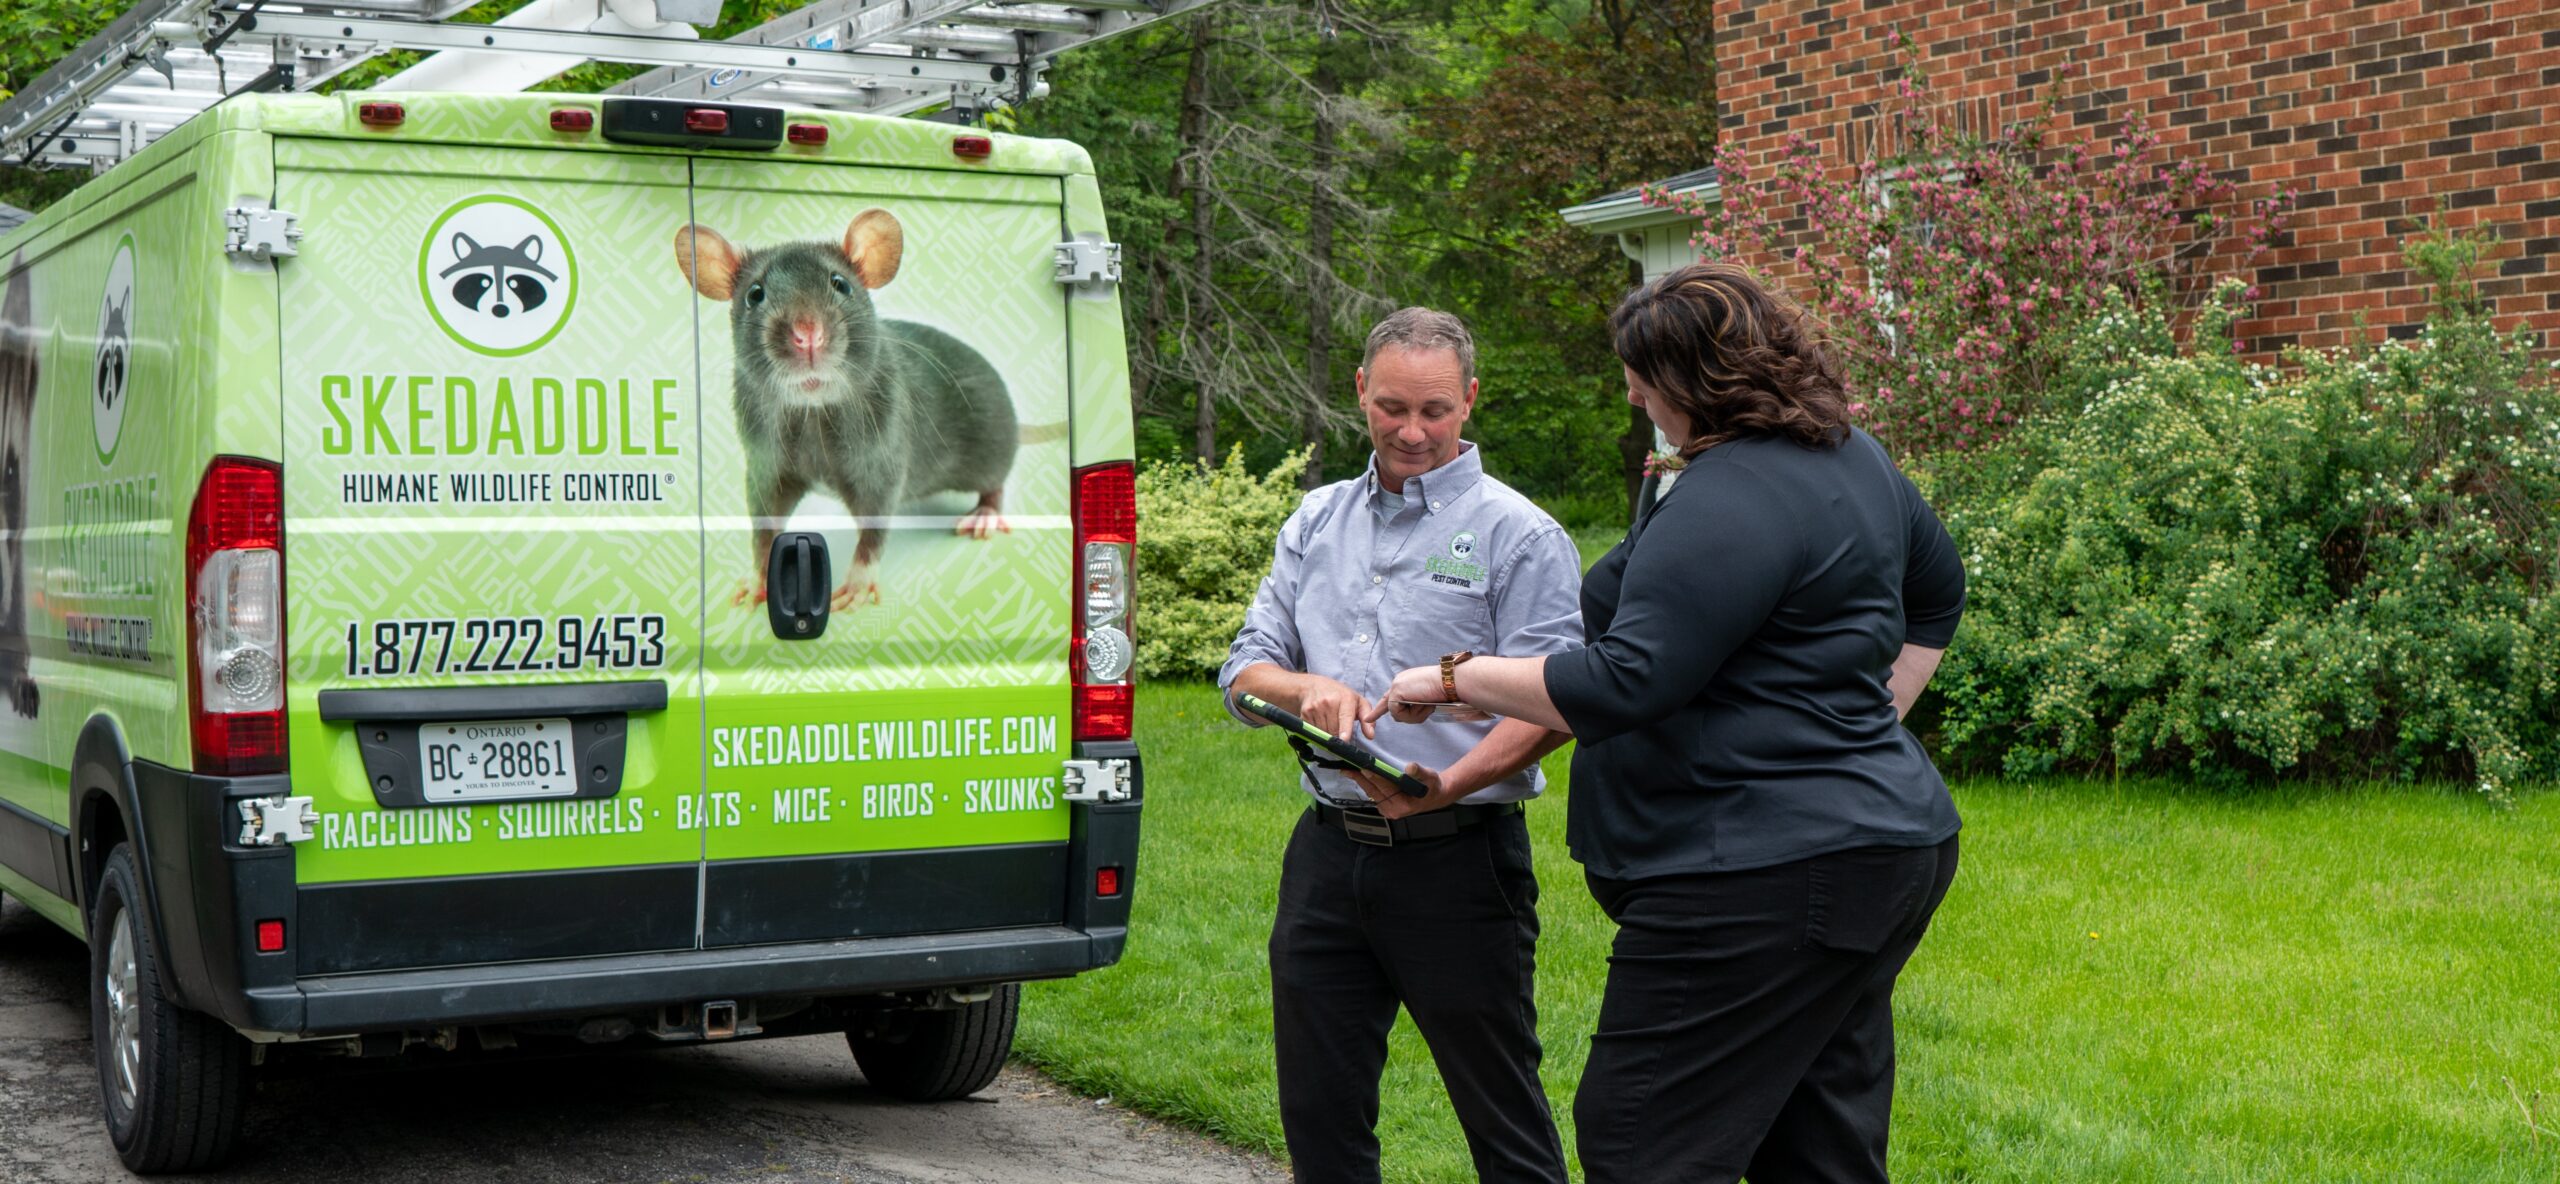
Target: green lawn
[[2126, 984]]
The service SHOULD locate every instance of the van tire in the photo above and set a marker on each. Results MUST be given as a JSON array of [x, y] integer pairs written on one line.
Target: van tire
[[937, 1055], [173, 1082]]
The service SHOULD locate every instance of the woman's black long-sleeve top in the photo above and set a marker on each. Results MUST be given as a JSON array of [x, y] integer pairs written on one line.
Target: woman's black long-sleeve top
[[1731, 709]]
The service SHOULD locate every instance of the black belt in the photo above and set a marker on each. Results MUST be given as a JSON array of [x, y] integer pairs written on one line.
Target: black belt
[[1377, 830]]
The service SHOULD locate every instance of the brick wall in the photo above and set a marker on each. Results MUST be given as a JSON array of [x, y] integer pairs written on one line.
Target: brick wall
[[2371, 111]]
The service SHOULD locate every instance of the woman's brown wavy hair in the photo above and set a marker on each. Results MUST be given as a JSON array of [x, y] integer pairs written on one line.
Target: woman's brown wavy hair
[[1738, 358]]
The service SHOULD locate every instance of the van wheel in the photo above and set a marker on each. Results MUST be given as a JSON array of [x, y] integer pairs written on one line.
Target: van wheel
[[173, 1080], [938, 1055]]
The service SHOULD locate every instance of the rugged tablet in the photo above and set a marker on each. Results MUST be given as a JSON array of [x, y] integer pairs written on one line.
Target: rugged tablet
[[1349, 750]]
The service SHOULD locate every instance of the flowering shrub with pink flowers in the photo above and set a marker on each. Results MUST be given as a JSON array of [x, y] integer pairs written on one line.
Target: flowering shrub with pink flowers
[[1947, 268]]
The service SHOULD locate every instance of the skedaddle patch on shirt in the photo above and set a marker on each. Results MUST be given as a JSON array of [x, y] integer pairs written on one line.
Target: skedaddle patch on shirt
[[1457, 567]]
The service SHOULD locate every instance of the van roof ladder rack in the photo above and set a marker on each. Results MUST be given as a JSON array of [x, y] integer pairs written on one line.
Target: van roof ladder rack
[[164, 61]]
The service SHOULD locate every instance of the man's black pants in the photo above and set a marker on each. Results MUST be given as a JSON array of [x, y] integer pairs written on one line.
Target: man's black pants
[[1747, 1028], [1446, 926]]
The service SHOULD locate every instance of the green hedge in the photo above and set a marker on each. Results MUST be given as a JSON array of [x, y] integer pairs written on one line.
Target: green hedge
[[2202, 564], [1204, 544]]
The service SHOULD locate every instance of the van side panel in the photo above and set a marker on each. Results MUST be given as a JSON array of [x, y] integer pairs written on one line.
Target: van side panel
[[127, 348]]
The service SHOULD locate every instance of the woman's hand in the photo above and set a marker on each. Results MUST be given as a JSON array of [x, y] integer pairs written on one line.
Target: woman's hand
[[1420, 684], [1392, 801]]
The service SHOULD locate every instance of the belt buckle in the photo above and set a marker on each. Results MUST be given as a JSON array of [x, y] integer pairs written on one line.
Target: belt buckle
[[1365, 827]]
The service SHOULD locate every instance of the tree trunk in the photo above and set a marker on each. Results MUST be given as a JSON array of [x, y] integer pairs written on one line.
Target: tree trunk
[[1191, 168], [1320, 215]]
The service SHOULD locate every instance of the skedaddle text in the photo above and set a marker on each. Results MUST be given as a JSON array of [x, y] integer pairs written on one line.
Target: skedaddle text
[[451, 415]]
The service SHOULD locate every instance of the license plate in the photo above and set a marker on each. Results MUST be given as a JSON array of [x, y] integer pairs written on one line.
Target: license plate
[[498, 758]]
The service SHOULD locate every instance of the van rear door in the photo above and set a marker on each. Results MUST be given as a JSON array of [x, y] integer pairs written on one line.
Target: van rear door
[[494, 553], [897, 772]]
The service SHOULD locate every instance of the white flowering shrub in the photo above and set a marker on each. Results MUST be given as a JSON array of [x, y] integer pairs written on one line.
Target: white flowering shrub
[[1204, 544], [2202, 564]]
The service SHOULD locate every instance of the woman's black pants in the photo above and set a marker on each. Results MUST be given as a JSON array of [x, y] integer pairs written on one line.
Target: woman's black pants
[[1747, 1028]]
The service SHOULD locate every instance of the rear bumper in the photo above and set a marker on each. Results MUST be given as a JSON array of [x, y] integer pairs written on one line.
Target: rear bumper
[[632, 982], [209, 894]]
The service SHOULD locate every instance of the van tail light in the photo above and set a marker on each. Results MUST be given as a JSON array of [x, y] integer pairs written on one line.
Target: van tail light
[[1106, 513], [235, 617]]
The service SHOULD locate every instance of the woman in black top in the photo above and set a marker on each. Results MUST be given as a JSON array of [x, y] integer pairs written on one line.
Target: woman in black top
[[1745, 802]]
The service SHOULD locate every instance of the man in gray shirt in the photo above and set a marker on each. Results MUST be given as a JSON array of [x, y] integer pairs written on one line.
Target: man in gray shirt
[[1420, 559]]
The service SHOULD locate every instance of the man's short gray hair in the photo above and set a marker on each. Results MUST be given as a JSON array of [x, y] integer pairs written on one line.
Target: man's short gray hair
[[1424, 328]]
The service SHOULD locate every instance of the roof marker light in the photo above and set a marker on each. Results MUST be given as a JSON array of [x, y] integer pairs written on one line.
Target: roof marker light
[[380, 114], [572, 119], [706, 121], [812, 134], [972, 147]]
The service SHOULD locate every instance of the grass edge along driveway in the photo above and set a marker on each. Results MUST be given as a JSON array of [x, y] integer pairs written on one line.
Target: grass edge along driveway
[[2127, 983]]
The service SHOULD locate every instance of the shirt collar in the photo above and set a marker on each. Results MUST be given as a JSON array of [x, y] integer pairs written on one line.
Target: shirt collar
[[1438, 487]]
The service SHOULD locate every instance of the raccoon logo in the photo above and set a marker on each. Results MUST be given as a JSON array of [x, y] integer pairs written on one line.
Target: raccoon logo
[[111, 371], [497, 275], [115, 342], [484, 270]]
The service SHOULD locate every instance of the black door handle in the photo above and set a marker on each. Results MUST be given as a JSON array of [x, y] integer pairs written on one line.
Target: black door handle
[[797, 580]]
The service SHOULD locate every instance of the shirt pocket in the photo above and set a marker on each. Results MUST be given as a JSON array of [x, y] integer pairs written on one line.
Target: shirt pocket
[[1434, 619]]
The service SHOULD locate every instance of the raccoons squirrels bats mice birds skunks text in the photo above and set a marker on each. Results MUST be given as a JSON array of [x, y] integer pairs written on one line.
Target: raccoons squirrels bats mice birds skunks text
[[832, 396]]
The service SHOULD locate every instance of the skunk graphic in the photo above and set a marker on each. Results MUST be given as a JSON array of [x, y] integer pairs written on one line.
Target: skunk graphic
[[115, 344], [507, 271]]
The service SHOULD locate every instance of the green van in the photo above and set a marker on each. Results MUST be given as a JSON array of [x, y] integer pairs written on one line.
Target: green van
[[493, 569]]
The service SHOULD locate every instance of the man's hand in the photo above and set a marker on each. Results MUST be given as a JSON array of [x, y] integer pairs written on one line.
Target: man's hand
[[1312, 697], [1334, 707], [1392, 801]]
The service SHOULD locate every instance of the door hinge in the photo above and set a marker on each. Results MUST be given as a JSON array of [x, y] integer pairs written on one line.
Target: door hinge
[[265, 822], [1097, 781], [1088, 263], [260, 234]]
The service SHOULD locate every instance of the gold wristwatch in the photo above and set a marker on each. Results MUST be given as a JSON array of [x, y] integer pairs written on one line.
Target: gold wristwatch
[[1449, 672]]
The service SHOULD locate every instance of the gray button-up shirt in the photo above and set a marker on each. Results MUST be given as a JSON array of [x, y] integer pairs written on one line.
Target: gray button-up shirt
[[1356, 594]]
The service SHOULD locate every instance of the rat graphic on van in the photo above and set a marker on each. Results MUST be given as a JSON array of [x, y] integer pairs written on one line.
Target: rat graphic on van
[[497, 275], [18, 352], [831, 396]]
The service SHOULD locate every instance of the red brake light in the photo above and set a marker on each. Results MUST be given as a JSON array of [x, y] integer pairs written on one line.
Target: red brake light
[[706, 121], [270, 937], [812, 134], [235, 617], [572, 119], [1100, 657], [380, 114], [973, 147]]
